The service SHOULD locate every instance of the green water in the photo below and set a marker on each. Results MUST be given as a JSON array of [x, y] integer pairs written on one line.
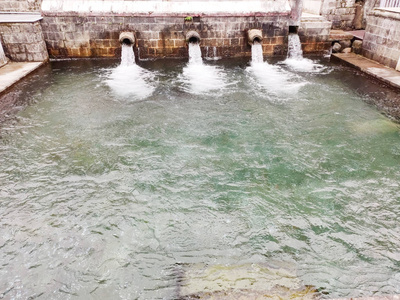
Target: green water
[[103, 196]]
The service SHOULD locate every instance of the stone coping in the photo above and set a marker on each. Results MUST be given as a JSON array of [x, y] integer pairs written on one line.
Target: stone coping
[[358, 34], [13, 72], [388, 12], [19, 17], [157, 7], [340, 35]]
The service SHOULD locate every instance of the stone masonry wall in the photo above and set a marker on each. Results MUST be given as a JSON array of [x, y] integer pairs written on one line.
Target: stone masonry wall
[[23, 41], [314, 35], [20, 5], [161, 36], [382, 37], [341, 13]]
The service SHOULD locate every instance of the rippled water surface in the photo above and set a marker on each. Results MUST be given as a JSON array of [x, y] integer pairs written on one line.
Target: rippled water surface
[[105, 194]]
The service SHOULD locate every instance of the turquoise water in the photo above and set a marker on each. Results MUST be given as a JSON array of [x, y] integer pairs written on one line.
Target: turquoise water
[[104, 193]]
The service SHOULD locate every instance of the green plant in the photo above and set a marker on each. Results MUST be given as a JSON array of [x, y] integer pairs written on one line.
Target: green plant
[[189, 18]]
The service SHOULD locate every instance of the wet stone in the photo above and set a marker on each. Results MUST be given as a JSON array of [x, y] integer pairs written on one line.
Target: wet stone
[[247, 281]]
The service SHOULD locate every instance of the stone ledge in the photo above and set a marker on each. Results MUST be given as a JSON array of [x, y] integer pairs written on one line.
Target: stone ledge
[[164, 7], [14, 72], [389, 297], [340, 35], [390, 13], [384, 74], [19, 17]]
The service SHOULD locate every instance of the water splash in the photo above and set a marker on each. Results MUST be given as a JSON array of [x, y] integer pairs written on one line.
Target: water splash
[[129, 79], [199, 78], [295, 59], [269, 77]]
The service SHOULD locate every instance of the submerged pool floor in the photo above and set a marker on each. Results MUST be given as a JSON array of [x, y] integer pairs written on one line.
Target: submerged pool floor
[[114, 182]]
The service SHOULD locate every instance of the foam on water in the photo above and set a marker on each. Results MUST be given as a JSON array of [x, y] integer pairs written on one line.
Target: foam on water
[[129, 79], [295, 59], [272, 78], [199, 78]]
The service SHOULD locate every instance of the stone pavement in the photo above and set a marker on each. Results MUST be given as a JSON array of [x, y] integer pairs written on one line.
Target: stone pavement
[[384, 74], [12, 72]]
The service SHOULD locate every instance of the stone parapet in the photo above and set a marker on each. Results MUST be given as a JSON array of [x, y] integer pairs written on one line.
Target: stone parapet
[[314, 34]]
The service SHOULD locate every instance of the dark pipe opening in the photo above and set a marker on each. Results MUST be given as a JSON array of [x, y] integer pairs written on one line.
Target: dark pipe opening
[[127, 42], [193, 40], [293, 29], [257, 40]]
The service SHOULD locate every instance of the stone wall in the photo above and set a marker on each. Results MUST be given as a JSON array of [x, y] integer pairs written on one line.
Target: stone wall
[[382, 37], [342, 13], [23, 41], [314, 35], [20, 5], [161, 36]]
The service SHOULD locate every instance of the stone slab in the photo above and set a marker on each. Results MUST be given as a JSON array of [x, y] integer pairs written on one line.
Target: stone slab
[[311, 17], [384, 74], [340, 35], [13, 72], [358, 34], [244, 282], [19, 17], [389, 297]]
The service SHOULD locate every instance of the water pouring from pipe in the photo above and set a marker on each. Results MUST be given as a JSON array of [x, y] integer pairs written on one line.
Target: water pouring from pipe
[[255, 41], [265, 76], [197, 77], [295, 59], [129, 79]]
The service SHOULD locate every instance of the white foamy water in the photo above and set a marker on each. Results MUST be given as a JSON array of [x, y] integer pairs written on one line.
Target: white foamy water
[[295, 59], [269, 77], [274, 79], [130, 80], [294, 46], [304, 65], [199, 78], [127, 55]]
